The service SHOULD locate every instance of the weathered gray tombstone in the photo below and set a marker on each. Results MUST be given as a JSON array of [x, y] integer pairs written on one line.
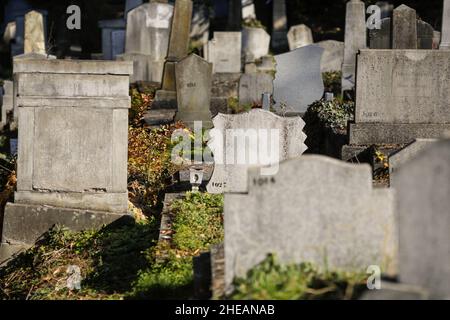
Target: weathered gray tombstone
[[401, 96], [255, 43], [445, 32], [299, 36], [147, 40], [425, 34], [7, 103], [194, 76], [253, 139], [355, 39], [404, 155], [279, 27], [315, 209], [422, 188], [34, 41], [72, 156], [252, 86], [224, 52], [404, 28], [381, 38], [178, 49], [296, 88], [333, 55]]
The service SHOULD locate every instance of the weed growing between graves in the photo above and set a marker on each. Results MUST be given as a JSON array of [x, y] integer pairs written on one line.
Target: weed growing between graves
[[236, 107], [332, 82], [139, 104], [272, 281], [197, 224], [109, 260]]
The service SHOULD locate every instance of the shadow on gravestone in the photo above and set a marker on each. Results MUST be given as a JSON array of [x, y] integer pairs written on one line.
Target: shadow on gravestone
[[298, 79]]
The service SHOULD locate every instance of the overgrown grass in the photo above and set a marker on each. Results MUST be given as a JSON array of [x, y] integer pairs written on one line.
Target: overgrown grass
[[197, 224], [271, 280]]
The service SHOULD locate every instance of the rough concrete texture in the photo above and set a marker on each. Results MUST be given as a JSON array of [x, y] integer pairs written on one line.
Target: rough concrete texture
[[315, 209], [422, 189]]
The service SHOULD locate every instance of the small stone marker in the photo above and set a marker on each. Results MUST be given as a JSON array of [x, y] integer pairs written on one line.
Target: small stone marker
[[34, 33], [255, 43], [252, 86], [333, 55], [355, 39], [315, 209], [296, 88], [404, 155], [252, 139], [194, 78], [401, 96], [224, 52], [299, 36], [404, 28], [422, 189]]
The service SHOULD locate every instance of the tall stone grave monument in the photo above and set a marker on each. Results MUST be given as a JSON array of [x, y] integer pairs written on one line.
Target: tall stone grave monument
[[147, 40], [34, 33], [194, 77], [404, 28], [72, 157], [178, 49], [355, 39], [279, 28], [253, 139], [401, 95], [314, 209], [299, 36], [296, 88], [422, 189], [445, 33]]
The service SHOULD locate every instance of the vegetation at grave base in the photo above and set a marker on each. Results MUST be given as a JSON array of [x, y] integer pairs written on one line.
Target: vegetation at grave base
[[271, 280], [109, 260], [197, 224], [253, 23], [139, 104], [382, 161], [236, 107], [150, 167], [332, 82]]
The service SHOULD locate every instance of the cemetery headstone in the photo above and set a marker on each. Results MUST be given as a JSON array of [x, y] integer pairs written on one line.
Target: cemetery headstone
[[296, 88], [445, 32], [425, 35], [117, 42], [404, 155], [147, 40], [422, 189], [333, 55], [72, 152], [248, 10], [34, 33], [178, 49], [404, 28], [299, 36], [253, 139], [315, 209], [109, 50], [194, 77], [381, 38], [255, 43], [401, 96], [279, 27], [224, 52], [355, 39], [252, 86]]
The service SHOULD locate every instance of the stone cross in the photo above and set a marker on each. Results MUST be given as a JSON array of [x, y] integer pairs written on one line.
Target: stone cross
[[355, 39], [34, 33]]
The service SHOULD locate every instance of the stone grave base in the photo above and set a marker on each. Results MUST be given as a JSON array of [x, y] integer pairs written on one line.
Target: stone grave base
[[158, 117], [165, 100], [23, 224], [380, 133], [396, 291]]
